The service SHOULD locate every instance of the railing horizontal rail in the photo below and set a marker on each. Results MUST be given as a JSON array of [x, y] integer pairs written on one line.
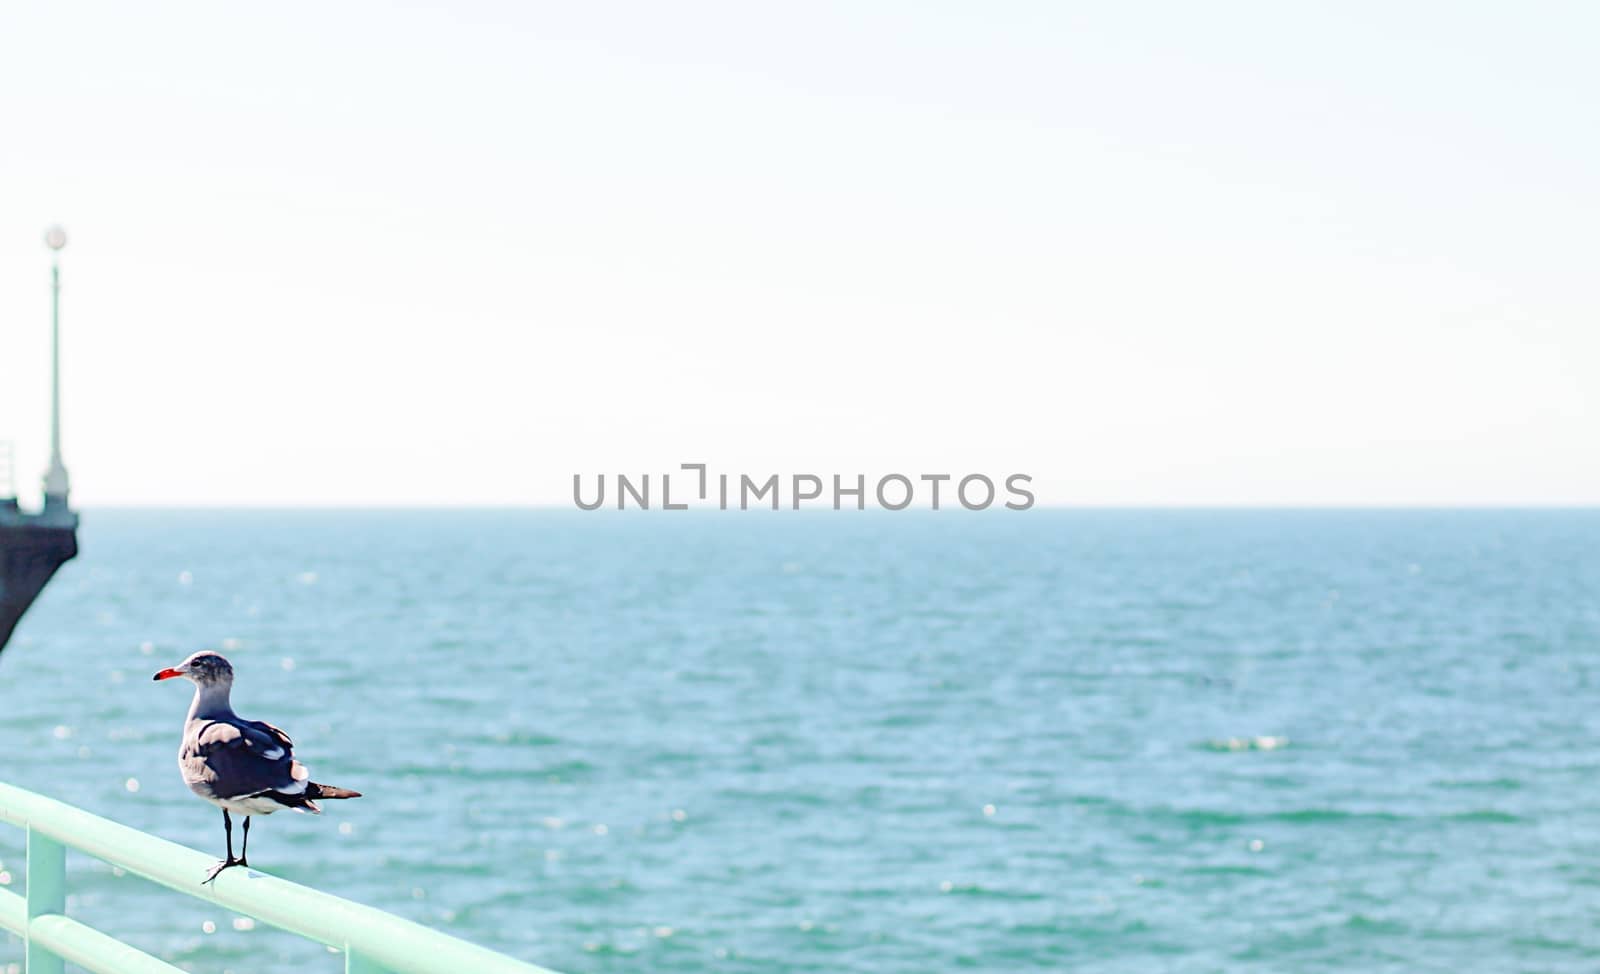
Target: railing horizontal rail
[[91, 949], [373, 941], [13, 912]]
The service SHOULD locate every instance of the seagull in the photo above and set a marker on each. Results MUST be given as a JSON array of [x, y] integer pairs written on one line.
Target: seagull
[[242, 766]]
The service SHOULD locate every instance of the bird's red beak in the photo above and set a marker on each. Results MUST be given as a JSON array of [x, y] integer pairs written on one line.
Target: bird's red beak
[[168, 674]]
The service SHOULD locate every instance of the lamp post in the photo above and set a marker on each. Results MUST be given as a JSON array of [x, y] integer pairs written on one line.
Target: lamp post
[[56, 484]]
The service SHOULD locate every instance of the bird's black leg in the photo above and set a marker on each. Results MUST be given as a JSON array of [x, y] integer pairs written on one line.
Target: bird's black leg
[[244, 850], [227, 827]]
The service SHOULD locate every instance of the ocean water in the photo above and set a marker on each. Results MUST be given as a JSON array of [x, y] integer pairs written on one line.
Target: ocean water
[[877, 743]]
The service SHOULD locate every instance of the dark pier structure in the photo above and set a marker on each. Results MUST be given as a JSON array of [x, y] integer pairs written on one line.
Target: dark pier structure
[[34, 545]]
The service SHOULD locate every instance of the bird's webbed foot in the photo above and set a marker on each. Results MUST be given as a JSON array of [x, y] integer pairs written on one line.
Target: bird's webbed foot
[[219, 867]]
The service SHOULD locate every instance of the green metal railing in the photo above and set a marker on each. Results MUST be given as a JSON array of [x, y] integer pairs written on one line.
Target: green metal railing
[[373, 942]]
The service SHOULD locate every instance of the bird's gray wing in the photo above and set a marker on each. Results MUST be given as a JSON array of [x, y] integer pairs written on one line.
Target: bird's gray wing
[[233, 759]]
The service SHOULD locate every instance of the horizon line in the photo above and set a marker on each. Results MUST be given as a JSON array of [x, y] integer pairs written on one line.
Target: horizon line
[[956, 509]]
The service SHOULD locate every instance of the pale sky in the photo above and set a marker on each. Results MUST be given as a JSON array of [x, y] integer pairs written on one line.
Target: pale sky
[[1175, 253]]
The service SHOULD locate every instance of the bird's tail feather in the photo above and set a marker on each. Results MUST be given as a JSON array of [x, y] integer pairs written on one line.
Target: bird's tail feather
[[304, 801]]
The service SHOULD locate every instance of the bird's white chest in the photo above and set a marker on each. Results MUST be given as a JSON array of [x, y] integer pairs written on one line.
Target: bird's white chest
[[245, 806]]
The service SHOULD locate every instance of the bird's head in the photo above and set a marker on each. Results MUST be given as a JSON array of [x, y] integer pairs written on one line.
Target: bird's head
[[204, 668]]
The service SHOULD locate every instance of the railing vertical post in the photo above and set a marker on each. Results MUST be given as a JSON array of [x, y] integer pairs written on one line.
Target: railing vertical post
[[47, 893], [354, 963]]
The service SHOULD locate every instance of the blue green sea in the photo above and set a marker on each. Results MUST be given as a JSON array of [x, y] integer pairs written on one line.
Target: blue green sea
[[1111, 741]]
